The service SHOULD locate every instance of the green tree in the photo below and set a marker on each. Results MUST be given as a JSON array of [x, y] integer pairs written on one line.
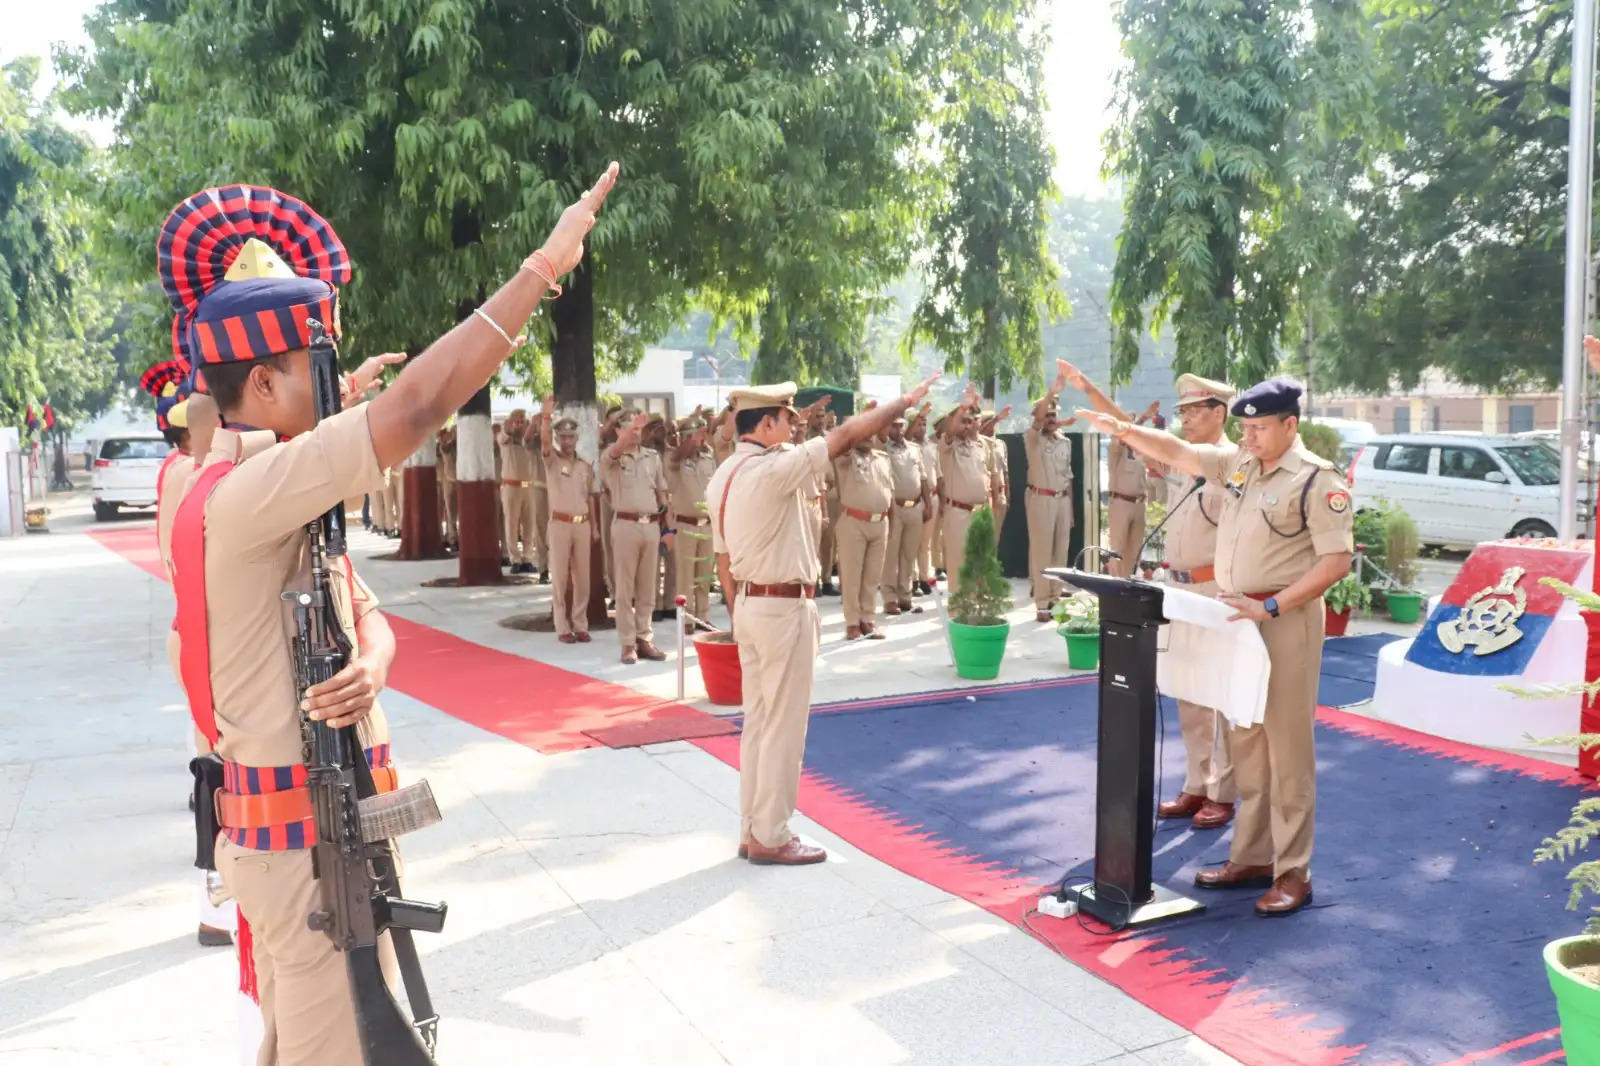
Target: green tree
[[991, 284], [47, 297], [1457, 202], [442, 138], [1227, 111]]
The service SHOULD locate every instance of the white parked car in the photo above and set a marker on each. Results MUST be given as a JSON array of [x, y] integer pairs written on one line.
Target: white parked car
[[125, 472], [1462, 489], [1353, 434]]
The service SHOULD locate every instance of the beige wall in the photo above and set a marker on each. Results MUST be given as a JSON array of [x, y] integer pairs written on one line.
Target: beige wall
[[1462, 414]]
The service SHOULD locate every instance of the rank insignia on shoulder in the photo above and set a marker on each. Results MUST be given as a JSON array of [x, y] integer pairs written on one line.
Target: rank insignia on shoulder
[[1338, 501]]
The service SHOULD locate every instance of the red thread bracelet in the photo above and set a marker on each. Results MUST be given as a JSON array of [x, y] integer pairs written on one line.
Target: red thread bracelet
[[547, 275]]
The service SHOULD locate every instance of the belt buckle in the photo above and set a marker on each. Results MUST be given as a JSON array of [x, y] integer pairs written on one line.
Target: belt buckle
[[1182, 577], [579, 519], [876, 518]]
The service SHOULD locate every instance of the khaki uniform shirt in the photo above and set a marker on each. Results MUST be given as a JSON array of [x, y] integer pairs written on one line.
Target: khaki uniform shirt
[[516, 459], [570, 482], [721, 449], [633, 479], [255, 551], [1263, 546], [447, 462], [1191, 529], [865, 479], [174, 480], [765, 529], [930, 463], [1126, 470], [999, 464], [1049, 459], [906, 470], [687, 481], [964, 466]]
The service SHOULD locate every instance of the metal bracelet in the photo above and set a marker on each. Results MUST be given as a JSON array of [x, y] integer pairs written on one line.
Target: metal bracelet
[[481, 313]]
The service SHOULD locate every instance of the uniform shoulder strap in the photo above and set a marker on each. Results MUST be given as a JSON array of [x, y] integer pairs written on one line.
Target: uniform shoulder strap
[[722, 508], [189, 586]]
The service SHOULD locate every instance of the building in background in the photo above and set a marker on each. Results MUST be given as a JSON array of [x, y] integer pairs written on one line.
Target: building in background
[[1442, 405]]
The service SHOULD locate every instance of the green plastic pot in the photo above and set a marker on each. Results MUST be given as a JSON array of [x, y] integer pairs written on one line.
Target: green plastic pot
[[1083, 650], [1405, 606], [978, 649], [1577, 1001]]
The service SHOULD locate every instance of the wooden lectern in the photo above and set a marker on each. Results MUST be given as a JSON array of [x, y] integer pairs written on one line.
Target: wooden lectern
[[1122, 895]]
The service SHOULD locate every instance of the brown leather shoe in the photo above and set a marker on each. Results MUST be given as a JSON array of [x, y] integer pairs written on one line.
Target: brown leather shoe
[[1213, 815], [630, 656], [744, 847], [1041, 616], [1232, 875], [870, 631], [1185, 806], [212, 937], [910, 608], [567, 638], [649, 651], [891, 609], [1288, 894], [582, 638], [793, 853], [852, 632]]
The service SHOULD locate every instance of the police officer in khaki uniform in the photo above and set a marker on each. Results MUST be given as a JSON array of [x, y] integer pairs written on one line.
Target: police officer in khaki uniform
[[1208, 793], [516, 493], [910, 504], [930, 551], [866, 494], [1049, 498], [239, 545], [447, 486], [690, 464], [999, 462], [1284, 536], [633, 475], [765, 538], [572, 528], [964, 484]]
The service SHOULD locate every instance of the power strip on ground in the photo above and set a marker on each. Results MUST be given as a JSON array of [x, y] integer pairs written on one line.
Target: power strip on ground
[[1053, 906]]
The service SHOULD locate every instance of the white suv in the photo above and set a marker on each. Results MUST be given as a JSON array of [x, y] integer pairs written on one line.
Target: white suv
[[125, 473], [1464, 489]]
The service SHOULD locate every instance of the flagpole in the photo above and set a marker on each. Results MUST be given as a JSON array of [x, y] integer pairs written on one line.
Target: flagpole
[[1580, 177]]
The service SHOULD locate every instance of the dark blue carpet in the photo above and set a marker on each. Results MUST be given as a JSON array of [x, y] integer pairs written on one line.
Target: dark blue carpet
[[1349, 669], [1424, 941]]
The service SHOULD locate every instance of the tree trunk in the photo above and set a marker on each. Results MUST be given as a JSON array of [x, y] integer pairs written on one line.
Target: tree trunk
[[421, 534], [572, 372], [475, 494]]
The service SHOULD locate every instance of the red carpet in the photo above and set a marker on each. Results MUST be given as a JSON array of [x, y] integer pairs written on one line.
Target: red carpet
[[135, 543], [533, 703]]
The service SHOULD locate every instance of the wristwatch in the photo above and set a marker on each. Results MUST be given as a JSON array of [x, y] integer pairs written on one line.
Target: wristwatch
[[1271, 604]]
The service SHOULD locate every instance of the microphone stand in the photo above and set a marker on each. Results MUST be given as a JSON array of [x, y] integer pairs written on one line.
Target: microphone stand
[[1199, 483]]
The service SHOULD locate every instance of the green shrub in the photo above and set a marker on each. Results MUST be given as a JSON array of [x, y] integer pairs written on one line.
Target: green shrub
[[1077, 614], [1347, 594], [1400, 545], [983, 595], [1322, 441]]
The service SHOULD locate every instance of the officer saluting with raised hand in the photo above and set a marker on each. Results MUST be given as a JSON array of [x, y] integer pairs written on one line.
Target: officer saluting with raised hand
[[1284, 536], [247, 269]]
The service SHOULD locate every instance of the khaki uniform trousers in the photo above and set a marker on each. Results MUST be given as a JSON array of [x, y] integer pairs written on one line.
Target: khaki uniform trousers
[[861, 550], [1125, 529], [693, 561], [635, 547], [541, 525], [381, 509], [307, 1014], [930, 553], [1206, 739], [1275, 763], [777, 640], [569, 546], [955, 521], [900, 553], [828, 548], [516, 504], [606, 512], [447, 507], [1049, 542]]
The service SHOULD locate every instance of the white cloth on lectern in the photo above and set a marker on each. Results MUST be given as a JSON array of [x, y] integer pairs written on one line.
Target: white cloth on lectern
[[1211, 661]]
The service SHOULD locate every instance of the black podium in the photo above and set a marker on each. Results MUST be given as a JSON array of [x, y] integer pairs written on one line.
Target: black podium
[[1130, 616]]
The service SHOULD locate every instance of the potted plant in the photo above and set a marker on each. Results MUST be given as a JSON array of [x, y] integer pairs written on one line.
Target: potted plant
[[1572, 963], [1342, 597], [1078, 620], [978, 626], [719, 667], [1400, 550]]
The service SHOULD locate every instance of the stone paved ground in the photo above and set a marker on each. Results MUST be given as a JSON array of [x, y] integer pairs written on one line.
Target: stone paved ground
[[597, 913]]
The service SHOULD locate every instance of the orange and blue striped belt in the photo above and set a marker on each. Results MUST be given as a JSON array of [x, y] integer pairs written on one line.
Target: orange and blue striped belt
[[268, 808]]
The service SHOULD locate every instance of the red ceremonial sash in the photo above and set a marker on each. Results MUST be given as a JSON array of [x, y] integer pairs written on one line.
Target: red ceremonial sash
[[189, 586]]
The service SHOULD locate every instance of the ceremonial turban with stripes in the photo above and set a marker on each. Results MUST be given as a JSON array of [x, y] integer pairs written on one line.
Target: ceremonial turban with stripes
[[245, 266]]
